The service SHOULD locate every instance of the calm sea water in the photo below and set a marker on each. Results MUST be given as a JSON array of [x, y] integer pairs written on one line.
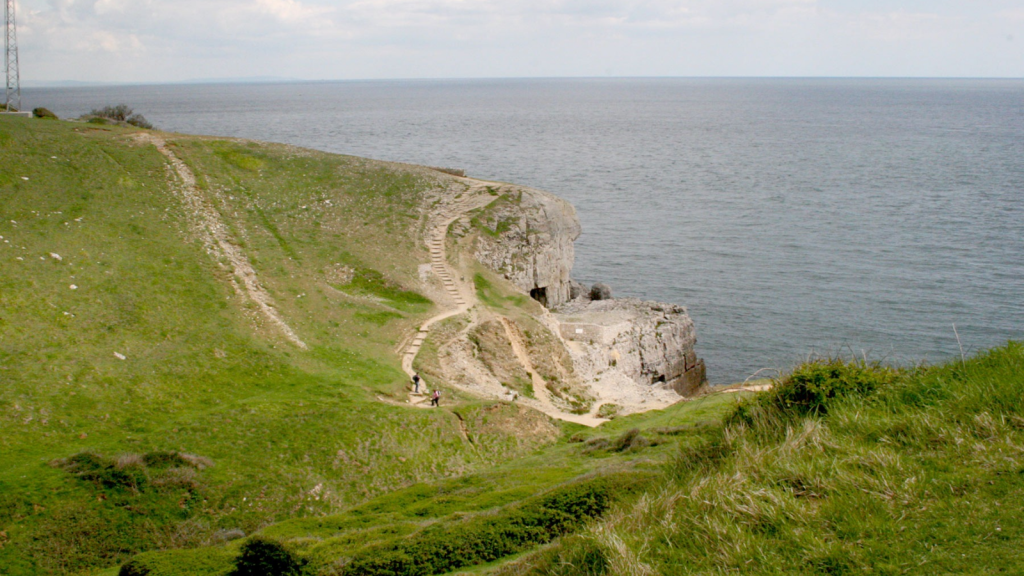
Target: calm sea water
[[789, 216]]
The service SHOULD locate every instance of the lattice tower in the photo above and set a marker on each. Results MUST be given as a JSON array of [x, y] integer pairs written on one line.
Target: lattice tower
[[12, 98]]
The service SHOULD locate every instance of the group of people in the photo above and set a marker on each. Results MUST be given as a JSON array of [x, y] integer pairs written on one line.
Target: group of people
[[435, 397]]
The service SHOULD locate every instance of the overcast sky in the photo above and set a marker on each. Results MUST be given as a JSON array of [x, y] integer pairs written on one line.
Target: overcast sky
[[171, 40]]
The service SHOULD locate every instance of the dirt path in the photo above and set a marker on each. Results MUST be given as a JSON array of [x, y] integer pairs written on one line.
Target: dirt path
[[461, 295], [219, 244], [540, 387]]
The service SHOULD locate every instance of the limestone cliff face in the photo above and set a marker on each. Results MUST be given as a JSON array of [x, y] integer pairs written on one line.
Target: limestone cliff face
[[648, 342], [527, 237]]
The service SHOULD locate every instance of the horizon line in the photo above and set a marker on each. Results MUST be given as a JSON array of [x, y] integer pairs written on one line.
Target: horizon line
[[284, 80]]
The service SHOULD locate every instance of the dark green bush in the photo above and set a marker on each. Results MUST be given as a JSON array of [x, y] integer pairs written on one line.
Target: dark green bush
[[811, 388], [133, 568], [265, 557], [446, 547], [43, 113], [139, 121], [164, 459], [104, 472], [119, 113]]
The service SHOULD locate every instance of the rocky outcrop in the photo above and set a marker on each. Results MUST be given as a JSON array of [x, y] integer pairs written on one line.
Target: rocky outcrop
[[527, 236], [648, 342]]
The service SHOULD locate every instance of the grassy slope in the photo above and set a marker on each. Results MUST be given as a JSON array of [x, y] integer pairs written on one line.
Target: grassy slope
[[922, 476], [396, 517], [290, 433]]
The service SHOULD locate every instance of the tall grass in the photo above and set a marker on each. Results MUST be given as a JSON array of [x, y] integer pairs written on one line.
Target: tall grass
[[919, 472]]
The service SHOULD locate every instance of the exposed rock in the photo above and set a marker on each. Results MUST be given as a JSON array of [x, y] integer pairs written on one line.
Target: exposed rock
[[526, 236], [649, 342], [616, 345], [576, 289], [600, 291]]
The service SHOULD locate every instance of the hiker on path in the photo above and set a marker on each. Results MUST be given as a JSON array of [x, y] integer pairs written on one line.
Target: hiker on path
[[435, 399], [416, 383]]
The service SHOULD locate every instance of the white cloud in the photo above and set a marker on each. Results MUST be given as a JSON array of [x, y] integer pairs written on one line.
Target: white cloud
[[168, 39]]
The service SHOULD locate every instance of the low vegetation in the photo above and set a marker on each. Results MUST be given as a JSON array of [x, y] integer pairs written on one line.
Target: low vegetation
[[842, 468], [151, 424], [121, 114], [121, 339]]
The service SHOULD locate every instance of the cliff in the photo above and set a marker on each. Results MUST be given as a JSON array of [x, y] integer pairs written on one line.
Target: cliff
[[527, 237], [649, 342]]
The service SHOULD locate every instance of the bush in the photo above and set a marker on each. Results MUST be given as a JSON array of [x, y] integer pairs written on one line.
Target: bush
[[119, 113], [43, 113], [812, 388], [103, 472], [134, 472], [265, 557], [446, 547], [133, 568], [139, 121], [164, 459]]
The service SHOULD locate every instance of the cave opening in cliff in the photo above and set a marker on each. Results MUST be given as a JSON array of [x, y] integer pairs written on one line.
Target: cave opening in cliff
[[540, 295]]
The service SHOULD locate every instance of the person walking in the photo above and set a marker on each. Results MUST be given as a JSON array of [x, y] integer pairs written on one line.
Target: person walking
[[435, 399], [416, 383]]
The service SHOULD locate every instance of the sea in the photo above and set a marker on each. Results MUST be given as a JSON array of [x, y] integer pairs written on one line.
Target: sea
[[868, 218]]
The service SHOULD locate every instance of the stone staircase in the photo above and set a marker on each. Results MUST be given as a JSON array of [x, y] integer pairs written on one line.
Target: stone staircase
[[439, 265]]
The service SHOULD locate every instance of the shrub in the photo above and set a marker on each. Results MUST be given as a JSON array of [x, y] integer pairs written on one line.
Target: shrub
[[812, 388], [139, 121], [446, 547], [134, 472], [119, 113], [164, 459], [133, 568], [103, 472], [265, 557], [43, 113]]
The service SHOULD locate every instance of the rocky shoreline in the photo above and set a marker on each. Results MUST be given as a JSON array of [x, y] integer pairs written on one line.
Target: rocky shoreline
[[528, 238]]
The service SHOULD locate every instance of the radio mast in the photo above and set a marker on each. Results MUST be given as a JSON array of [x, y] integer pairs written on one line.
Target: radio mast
[[12, 97]]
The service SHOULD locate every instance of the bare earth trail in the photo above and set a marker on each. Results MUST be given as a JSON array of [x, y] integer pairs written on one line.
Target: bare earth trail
[[540, 387], [462, 295], [217, 240]]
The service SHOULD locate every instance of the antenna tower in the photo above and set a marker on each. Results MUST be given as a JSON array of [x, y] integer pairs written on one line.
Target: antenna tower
[[13, 95]]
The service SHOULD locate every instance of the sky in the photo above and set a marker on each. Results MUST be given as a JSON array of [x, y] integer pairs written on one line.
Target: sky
[[141, 41]]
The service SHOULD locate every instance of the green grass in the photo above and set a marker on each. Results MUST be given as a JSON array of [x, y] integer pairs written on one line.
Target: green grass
[[919, 473], [290, 433], [485, 503], [211, 421], [498, 298]]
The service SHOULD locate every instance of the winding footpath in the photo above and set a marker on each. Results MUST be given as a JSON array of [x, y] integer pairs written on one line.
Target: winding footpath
[[462, 295]]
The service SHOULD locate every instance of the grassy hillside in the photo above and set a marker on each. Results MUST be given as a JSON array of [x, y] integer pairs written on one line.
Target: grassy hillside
[[841, 469], [153, 422], [594, 466], [122, 338]]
